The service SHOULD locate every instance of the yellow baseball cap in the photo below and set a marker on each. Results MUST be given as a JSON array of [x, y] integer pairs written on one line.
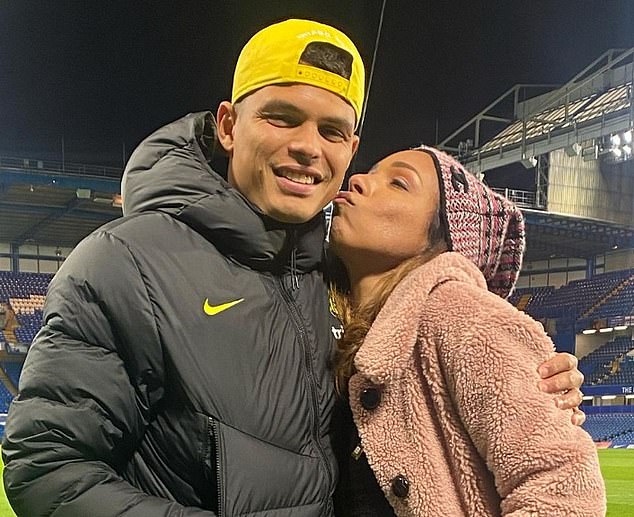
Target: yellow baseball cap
[[272, 56]]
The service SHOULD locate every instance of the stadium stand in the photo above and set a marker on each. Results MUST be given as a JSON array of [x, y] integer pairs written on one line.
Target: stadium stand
[[625, 374], [602, 365], [527, 297], [30, 324], [617, 427], [578, 297], [619, 303], [22, 285], [13, 371], [5, 398], [624, 439], [24, 293]]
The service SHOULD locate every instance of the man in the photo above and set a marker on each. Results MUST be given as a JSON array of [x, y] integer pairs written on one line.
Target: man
[[183, 364]]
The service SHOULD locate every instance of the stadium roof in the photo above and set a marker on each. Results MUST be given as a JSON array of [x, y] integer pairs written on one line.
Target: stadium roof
[[590, 108], [594, 104], [54, 204], [555, 235]]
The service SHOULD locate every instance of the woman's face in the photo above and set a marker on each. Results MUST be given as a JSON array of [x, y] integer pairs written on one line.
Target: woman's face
[[386, 215]]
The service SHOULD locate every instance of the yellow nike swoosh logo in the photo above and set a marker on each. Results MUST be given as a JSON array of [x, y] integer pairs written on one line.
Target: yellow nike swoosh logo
[[212, 310]]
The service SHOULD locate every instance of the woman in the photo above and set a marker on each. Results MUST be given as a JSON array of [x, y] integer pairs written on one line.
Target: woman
[[430, 254]]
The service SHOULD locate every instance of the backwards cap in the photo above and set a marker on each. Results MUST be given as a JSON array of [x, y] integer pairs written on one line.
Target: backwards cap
[[272, 56], [480, 224]]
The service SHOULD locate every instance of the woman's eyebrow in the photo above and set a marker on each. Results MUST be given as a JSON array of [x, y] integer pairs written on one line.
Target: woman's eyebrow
[[404, 165]]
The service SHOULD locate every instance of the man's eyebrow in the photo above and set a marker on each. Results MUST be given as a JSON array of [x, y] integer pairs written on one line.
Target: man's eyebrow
[[290, 108], [340, 122], [280, 105]]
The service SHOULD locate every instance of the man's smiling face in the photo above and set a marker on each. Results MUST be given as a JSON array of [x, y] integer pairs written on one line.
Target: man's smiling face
[[289, 147]]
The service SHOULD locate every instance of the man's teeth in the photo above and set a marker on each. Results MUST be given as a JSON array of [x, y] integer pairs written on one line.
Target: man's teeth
[[299, 178]]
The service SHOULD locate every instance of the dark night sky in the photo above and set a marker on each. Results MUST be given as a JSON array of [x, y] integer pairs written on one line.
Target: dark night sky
[[104, 74]]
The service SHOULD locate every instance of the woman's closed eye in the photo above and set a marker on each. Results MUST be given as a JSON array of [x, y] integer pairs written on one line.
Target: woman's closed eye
[[400, 183]]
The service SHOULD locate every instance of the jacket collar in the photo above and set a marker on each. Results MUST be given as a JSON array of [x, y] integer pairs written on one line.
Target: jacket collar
[[392, 338], [170, 172]]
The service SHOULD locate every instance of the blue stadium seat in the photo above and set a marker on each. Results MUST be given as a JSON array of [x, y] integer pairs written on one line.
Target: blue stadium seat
[[611, 427]]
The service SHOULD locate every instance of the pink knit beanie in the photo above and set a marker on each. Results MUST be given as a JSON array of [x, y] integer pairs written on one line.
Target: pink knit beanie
[[480, 224]]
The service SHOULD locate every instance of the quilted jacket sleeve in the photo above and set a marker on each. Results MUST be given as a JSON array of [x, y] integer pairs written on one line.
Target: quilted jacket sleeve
[[87, 390], [542, 464]]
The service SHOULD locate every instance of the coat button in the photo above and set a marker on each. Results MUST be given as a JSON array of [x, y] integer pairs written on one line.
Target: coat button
[[400, 486], [370, 397]]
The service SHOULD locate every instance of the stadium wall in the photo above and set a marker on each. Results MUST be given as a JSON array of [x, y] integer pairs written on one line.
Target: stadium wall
[[560, 271], [619, 260], [32, 258], [588, 343], [590, 189]]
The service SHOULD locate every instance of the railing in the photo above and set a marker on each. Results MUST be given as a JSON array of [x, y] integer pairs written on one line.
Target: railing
[[49, 166], [522, 198]]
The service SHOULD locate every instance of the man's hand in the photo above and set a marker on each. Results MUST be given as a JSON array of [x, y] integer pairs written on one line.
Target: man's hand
[[560, 375]]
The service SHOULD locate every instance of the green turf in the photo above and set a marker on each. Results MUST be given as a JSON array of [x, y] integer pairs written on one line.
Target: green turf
[[5, 508], [617, 466]]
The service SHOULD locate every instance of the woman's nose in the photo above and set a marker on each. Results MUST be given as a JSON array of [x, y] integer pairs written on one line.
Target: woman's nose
[[357, 183]]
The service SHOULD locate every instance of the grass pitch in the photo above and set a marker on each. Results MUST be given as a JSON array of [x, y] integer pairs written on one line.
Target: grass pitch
[[617, 466], [5, 508]]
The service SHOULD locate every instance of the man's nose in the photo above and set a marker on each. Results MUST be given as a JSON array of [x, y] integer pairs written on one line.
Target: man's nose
[[305, 146]]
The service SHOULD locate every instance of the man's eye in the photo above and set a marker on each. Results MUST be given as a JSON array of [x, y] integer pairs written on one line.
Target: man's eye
[[280, 120], [333, 134]]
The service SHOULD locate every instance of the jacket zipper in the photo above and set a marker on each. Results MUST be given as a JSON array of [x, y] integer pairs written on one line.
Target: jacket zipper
[[310, 375], [294, 274], [215, 437]]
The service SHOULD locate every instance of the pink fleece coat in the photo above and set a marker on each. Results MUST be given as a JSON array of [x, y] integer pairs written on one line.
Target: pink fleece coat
[[460, 415]]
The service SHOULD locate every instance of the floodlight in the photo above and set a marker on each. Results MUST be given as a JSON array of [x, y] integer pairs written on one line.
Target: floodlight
[[627, 136], [589, 331], [615, 140], [617, 152], [620, 327], [590, 153], [529, 162], [627, 150], [573, 149], [606, 329], [83, 193]]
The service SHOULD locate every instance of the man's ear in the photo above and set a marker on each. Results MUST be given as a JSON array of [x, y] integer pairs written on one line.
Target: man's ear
[[355, 145], [226, 120]]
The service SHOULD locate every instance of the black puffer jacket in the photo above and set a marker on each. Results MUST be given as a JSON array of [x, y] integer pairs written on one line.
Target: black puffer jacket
[[183, 366]]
